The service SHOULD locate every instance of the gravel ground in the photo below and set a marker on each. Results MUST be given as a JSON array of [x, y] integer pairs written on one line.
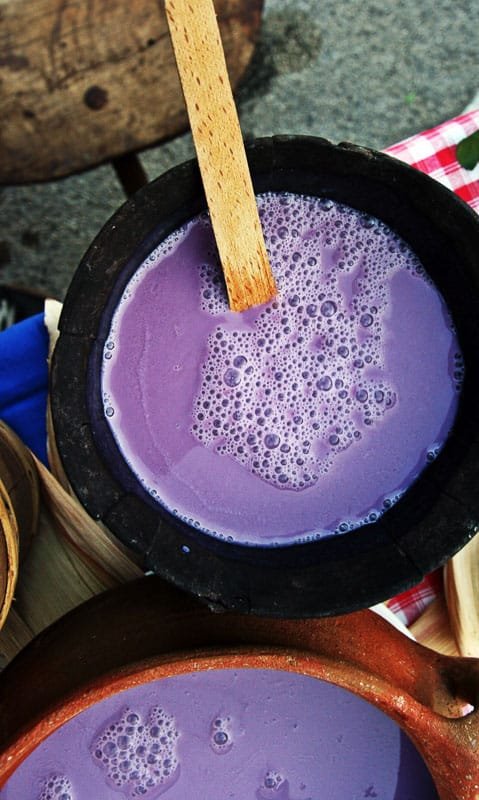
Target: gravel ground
[[369, 71]]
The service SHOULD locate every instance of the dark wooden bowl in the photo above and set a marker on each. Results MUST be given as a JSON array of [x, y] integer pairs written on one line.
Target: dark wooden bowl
[[436, 516], [147, 630]]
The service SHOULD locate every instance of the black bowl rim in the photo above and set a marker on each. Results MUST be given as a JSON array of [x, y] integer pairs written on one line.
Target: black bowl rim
[[437, 515]]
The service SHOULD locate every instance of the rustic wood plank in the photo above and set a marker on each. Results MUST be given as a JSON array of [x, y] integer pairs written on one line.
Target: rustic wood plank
[[82, 82]]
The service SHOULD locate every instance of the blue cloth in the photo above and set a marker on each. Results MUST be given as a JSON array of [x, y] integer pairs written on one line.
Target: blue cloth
[[24, 382]]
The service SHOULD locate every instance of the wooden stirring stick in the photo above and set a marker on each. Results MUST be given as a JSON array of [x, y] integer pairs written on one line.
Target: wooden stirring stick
[[221, 154]]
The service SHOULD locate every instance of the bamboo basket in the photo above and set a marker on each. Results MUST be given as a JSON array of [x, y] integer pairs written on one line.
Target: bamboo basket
[[19, 509]]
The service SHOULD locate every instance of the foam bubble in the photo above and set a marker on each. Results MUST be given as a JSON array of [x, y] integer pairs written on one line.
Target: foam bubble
[[327, 317], [328, 308], [138, 755], [221, 734], [274, 787], [56, 787], [232, 377]]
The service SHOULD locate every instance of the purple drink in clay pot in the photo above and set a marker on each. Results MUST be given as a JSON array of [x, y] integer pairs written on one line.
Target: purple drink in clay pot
[[239, 734], [299, 419], [308, 456]]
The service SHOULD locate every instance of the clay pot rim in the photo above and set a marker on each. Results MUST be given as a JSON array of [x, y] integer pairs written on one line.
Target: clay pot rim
[[148, 629], [336, 574], [398, 706]]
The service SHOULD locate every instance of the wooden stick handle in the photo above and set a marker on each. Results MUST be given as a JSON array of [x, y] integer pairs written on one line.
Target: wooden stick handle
[[221, 154]]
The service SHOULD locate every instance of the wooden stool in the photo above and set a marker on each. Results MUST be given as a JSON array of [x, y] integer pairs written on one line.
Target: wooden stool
[[87, 82]]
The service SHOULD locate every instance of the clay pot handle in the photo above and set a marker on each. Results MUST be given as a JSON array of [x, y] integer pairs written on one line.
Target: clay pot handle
[[426, 692], [445, 684]]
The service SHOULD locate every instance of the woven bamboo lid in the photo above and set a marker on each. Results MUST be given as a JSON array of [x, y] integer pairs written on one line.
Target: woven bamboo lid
[[19, 505]]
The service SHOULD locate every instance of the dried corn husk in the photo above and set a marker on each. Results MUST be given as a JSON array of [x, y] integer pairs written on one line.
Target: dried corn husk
[[433, 629], [462, 595]]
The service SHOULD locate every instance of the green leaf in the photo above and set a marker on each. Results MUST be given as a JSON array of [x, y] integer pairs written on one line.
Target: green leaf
[[467, 151]]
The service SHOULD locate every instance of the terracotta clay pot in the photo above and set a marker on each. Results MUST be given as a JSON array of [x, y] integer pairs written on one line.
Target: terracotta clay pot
[[145, 631], [334, 574]]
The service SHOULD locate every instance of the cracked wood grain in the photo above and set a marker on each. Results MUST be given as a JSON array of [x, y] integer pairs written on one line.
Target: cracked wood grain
[[56, 55]]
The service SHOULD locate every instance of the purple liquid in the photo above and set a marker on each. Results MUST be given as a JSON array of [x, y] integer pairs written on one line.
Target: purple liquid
[[304, 417], [241, 735]]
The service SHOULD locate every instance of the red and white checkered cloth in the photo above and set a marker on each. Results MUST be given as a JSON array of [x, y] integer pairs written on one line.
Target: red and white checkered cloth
[[434, 152]]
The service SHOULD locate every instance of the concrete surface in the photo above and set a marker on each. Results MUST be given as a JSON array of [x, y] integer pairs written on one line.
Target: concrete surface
[[371, 71]]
